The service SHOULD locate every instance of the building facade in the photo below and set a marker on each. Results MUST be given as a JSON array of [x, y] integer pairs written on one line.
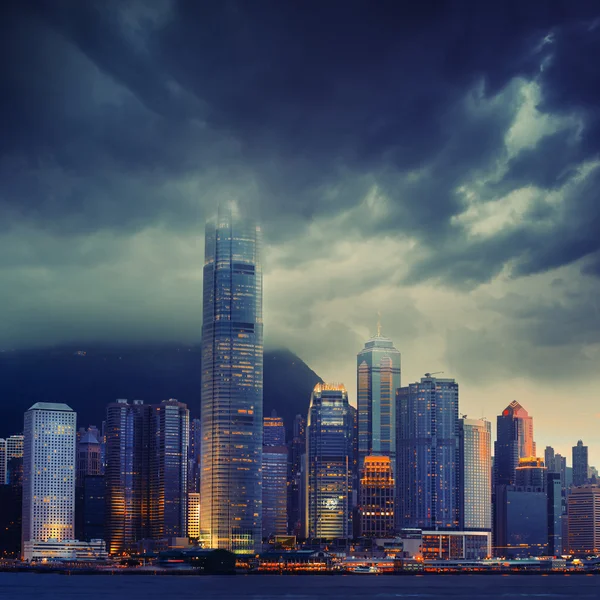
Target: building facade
[[377, 497], [580, 464], [531, 473], [14, 460], [194, 456], [49, 473], [329, 453], [232, 385], [378, 378], [274, 490], [583, 515], [89, 456], [428, 456], [193, 515], [514, 440], [2, 461], [296, 495], [475, 473]]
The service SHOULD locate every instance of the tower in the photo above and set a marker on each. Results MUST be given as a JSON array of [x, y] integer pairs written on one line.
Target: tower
[[580, 464], [232, 385]]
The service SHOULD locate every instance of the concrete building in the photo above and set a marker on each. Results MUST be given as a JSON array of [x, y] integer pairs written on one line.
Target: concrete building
[[583, 514], [580, 464], [65, 550], [193, 515], [377, 497]]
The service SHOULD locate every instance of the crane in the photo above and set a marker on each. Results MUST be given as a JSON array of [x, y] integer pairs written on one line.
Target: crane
[[435, 373]]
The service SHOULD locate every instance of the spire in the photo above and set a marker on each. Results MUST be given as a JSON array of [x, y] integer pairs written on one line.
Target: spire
[[379, 323]]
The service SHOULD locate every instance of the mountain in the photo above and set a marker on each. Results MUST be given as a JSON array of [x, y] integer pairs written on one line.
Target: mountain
[[88, 377]]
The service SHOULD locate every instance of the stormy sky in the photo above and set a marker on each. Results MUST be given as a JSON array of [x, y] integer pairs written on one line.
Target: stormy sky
[[435, 161]]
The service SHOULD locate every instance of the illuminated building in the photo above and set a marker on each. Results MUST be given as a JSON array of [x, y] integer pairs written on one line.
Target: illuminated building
[[456, 545], [583, 514], [89, 459], [531, 473], [329, 449], [580, 464], [194, 456], [273, 430], [378, 378], [232, 385], [274, 477], [2, 461], [428, 457], [514, 441], [377, 497], [555, 514], [65, 550], [127, 474], [476, 474], [296, 491], [14, 460], [168, 448], [193, 515], [49, 473]]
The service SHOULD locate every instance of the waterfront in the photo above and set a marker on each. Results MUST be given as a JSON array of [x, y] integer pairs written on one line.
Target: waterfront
[[26, 586]]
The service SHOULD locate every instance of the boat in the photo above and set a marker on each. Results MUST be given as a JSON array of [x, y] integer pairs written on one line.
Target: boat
[[364, 570]]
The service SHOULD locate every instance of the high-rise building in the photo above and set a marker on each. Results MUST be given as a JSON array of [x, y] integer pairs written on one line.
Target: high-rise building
[[475, 439], [89, 458], [428, 461], [583, 510], [14, 460], [127, 474], [232, 385], [378, 378], [194, 456], [49, 473], [514, 441], [273, 430], [377, 496], [329, 449], [90, 506], [549, 459], [554, 493], [274, 490], [580, 464], [193, 515], [531, 473], [296, 493], [168, 448], [2, 461]]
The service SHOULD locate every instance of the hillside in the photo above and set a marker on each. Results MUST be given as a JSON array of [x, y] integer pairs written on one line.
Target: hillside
[[88, 382]]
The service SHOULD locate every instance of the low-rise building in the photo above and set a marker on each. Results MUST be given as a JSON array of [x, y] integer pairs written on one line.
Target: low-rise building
[[65, 550]]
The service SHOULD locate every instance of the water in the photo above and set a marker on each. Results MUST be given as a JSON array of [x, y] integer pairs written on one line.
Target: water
[[31, 586]]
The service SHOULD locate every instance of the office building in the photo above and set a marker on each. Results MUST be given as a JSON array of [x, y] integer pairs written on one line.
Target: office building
[[378, 378], [273, 430], [49, 473], [521, 522], [555, 514], [127, 474], [232, 385], [90, 502], [65, 550], [514, 441], [193, 515], [2, 461], [428, 461], [455, 545], [549, 459], [583, 517], [377, 495], [14, 460], [296, 488], [89, 457], [475, 487], [194, 456], [580, 464], [531, 473], [274, 490], [168, 460], [329, 448]]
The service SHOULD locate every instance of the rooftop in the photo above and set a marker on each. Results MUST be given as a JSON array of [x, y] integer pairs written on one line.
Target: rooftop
[[51, 406]]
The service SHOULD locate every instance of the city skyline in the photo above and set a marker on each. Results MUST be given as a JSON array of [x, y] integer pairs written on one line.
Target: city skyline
[[439, 165]]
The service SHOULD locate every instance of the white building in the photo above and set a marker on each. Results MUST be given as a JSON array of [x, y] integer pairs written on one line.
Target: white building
[[49, 473], [69, 550]]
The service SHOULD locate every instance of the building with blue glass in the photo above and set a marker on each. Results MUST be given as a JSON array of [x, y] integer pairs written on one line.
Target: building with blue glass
[[428, 457], [329, 457], [232, 385]]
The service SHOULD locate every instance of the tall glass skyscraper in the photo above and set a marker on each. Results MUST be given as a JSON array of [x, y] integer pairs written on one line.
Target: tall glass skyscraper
[[378, 378], [428, 454], [476, 474], [232, 385], [514, 440], [580, 464], [329, 452]]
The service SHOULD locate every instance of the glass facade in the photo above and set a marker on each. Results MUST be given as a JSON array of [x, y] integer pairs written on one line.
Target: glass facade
[[514, 440], [583, 514], [580, 464], [378, 378], [232, 385], [377, 497], [428, 460], [329, 455], [296, 499], [476, 474]]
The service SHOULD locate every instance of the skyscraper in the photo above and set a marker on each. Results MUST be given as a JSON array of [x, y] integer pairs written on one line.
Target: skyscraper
[[89, 459], [49, 473], [514, 441], [274, 490], [476, 474], [2, 461], [127, 474], [378, 378], [531, 473], [296, 495], [428, 460], [583, 510], [580, 464], [377, 497], [14, 460], [168, 448], [329, 448], [555, 514], [273, 430], [232, 385], [549, 456], [194, 457]]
